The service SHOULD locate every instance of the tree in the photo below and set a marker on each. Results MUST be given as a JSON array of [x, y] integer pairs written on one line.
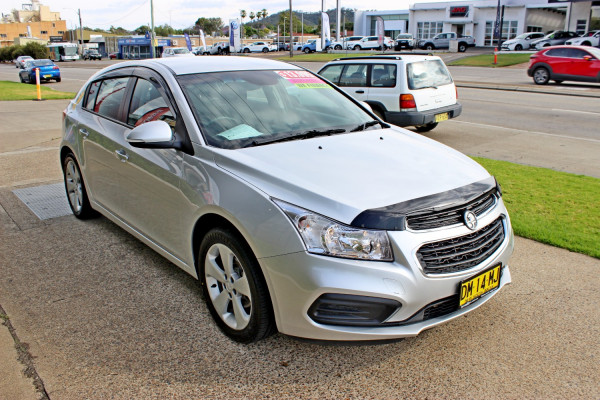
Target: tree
[[141, 30], [243, 15], [119, 30], [258, 14], [209, 25], [264, 13], [252, 16], [36, 50]]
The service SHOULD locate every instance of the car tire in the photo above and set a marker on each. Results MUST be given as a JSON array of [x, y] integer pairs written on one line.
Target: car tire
[[246, 50], [586, 44], [518, 47], [541, 76], [306, 50], [233, 286], [337, 47], [265, 50], [356, 48], [21, 78], [462, 47], [426, 127], [75, 188], [429, 46], [58, 79]]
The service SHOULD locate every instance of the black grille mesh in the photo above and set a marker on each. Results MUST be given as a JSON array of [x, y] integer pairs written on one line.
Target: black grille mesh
[[451, 216], [461, 253]]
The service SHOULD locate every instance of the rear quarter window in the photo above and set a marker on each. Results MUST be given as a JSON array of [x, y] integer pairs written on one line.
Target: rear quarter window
[[332, 73]]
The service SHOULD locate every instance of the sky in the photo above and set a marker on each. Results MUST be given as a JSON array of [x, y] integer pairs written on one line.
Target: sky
[[180, 14]]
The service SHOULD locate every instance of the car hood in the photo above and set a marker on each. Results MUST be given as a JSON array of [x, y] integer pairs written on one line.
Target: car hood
[[511, 41], [342, 175]]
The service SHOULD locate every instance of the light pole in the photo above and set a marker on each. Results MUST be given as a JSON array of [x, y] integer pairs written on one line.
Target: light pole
[[80, 26], [284, 18]]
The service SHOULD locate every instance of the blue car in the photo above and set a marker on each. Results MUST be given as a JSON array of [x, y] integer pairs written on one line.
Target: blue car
[[311, 45], [48, 71]]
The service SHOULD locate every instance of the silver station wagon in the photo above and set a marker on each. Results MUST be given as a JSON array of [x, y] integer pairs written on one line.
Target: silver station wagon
[[294, 205]]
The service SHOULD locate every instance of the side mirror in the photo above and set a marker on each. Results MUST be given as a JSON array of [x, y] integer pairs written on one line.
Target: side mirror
[[588, 58], [153, 134]]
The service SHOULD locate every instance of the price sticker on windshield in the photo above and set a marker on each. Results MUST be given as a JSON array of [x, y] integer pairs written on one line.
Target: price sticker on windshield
[[303, 79]]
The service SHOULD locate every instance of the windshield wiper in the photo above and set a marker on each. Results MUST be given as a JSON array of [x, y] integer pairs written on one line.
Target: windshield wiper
[[364, 126], [304, 135]]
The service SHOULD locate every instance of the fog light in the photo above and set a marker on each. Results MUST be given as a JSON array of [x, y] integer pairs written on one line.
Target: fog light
[[351, 310]]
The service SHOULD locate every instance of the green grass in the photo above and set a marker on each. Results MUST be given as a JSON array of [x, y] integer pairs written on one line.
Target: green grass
[[322, 56], [487, 60], [25, 91], [551, 207]]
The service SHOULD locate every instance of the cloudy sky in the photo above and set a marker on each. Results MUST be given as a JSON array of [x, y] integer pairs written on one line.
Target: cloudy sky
[[182, 13]]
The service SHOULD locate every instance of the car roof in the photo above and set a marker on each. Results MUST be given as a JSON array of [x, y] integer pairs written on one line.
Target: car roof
[[374, 59], [185, 65]]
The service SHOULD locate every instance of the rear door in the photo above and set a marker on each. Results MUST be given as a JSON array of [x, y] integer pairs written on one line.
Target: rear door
[[580, 66], [430, 83]]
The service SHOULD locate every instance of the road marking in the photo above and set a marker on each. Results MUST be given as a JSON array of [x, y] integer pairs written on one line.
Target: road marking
[[30, 150], [576, 111], [530, 132]]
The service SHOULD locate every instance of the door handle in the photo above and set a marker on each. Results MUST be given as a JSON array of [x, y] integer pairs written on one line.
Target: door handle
[[84, 132], [359, 91], [122, 155]]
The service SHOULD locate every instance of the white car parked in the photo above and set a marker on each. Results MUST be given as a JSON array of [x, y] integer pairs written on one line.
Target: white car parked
[[591, 38], [351, 41], [372, 42], [411, 90], [522, 41], [177, 52], [256, 47]]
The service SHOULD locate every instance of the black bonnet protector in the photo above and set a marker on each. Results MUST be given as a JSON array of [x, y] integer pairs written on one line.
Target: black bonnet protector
[[393, 217]]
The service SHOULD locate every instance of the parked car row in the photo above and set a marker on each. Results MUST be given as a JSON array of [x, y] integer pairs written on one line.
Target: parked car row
[[538, 41]]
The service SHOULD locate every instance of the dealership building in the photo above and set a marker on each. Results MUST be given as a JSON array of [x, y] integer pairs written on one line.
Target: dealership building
[[477, 18]]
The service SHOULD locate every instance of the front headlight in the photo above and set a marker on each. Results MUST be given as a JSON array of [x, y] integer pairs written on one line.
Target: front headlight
[[324, 236]]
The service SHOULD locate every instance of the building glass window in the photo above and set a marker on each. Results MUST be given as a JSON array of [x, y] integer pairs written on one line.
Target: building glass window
[[531, 28], [427, 30], [44, 32], [581, 26], [61, 32], [509, 31]]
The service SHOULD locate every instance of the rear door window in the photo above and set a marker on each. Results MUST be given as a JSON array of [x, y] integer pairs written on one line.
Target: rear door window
[[354, 75], [110, 96], [383, 75]]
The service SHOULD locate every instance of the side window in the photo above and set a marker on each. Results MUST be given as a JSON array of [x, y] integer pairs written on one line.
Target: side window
[[91, 98], [383, 75], [560, 52], [332, 73], [354, 75], [147, 104], [110, 95], [576, 53]]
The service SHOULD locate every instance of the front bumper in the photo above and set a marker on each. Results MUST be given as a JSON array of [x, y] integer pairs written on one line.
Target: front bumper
[[414, 118], [297, 281]]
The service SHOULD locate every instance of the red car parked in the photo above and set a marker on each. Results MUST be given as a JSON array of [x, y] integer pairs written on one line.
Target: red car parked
[[565, 63]]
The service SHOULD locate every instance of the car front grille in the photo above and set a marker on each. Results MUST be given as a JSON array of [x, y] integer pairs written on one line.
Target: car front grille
[[451, 216], [461, 253]]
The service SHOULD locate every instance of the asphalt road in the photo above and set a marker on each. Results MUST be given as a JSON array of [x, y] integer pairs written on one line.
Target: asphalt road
[[106, 317]]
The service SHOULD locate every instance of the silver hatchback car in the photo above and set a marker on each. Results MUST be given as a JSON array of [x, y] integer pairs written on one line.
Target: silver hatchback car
[[295, 206]]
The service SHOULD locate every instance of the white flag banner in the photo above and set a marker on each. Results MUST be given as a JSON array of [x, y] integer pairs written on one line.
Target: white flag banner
[[326, 33], [380, 30], [202, 38]]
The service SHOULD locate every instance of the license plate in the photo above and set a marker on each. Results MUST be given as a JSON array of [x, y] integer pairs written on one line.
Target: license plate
[[47, 76], [479, 285], [441, 117]]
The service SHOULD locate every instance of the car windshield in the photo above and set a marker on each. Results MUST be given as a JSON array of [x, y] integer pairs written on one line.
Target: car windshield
[[523, 35], [180, 51], [428, 73], [404, 36], [247, 108]]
